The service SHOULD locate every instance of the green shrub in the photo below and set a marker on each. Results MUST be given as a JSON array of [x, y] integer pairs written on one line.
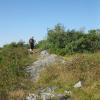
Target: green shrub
[[62, 42]]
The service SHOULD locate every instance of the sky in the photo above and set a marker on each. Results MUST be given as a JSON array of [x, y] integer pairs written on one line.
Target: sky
[[22, 19]]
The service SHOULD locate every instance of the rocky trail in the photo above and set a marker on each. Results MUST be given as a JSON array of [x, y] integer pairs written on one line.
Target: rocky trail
[[43, 61]]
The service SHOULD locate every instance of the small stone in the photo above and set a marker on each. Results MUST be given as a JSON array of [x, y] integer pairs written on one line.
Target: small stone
[[68, 92], [78, 84], [31, 97], [64, 97]]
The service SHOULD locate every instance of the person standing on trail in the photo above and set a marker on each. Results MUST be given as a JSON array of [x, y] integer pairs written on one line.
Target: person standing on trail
[[32, 42]]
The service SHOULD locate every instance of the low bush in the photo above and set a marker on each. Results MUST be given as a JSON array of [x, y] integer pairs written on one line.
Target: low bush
[[63, 42]]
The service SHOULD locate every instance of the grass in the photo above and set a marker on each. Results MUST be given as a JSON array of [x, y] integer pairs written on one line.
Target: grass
[[85, 67], [19, 94], [15, 83], [13, 77]]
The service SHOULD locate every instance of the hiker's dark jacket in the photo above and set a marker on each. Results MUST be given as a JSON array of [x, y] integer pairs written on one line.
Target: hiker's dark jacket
[[31, 42]]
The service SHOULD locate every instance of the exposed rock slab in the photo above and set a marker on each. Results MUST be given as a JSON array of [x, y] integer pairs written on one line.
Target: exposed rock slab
[[45, 59]]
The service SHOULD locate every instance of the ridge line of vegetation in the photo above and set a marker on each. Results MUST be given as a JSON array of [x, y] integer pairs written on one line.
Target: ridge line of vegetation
[[63, 42]]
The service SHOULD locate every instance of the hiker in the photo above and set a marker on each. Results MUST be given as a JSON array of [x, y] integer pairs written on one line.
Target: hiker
[[31, 42]]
